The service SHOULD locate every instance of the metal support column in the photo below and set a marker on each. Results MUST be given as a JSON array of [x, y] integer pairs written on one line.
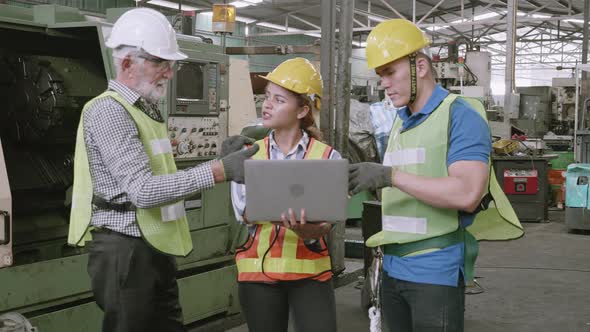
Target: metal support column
[[222, 41], [328, 66], [327, 124], [585, 36], [180, 13], [510, 58], [369, 11], [343, 76], [462, 10]]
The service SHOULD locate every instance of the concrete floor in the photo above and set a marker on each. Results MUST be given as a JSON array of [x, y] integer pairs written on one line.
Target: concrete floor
[[538, 283]]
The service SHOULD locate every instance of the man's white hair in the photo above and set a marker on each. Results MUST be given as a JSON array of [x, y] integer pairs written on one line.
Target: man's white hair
[[121, 52]]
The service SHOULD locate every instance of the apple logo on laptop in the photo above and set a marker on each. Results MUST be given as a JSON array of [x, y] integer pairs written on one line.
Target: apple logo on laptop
[[296, 190]]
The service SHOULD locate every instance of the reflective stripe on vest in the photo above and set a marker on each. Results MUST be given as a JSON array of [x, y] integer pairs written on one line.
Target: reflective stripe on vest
[[276, 253], [165, 228]]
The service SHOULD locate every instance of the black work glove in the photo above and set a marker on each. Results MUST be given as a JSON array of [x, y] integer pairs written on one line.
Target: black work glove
[[234, 143], [233, 163], [368, 176]]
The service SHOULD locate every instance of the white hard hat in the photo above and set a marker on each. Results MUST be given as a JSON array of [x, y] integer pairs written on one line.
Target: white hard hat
[[147, 29]]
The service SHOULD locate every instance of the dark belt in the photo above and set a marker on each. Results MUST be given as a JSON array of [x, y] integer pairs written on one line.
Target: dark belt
[[438, 242], [459, 236], [106, 231], [102, 203]]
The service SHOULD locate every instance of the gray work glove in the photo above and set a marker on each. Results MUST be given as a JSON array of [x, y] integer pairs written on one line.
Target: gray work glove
[[233, 163], [368, 176], [234, 143]]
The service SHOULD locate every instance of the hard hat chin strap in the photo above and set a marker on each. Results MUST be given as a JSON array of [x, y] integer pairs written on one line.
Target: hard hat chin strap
[[315, 100], [413, 78]]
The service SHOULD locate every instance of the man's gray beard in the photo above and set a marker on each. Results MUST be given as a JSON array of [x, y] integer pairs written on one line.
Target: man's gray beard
[[149, 91]]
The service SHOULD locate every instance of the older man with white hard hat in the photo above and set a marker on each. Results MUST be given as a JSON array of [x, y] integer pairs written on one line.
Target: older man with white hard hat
[[128, 195]]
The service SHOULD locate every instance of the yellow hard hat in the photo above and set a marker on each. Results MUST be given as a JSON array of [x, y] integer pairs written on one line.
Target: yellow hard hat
[[298, 75], [394, 39]]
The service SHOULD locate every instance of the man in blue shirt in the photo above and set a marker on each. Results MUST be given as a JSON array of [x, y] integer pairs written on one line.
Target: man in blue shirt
[[424, 195]]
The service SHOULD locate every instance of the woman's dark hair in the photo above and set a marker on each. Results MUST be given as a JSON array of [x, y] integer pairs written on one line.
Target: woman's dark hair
[[308, 122]]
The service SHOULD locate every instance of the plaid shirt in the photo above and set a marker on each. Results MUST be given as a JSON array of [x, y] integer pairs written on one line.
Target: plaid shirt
[[383, 115], [119, 165]]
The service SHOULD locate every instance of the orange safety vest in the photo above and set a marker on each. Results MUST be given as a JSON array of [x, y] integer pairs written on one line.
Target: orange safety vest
[[276, 253]]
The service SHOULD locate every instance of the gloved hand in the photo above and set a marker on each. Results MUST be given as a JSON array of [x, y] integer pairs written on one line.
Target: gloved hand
[[234, 143], [368, 176], [305, 230], [233, 163]]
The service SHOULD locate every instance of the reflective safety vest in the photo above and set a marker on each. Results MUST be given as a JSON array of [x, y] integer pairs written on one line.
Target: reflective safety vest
[[410, 226], [276, 253], [165, 228]]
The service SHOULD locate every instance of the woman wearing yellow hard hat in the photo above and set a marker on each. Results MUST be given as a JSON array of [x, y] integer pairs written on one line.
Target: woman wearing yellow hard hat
[[286, 264], [434, 175]]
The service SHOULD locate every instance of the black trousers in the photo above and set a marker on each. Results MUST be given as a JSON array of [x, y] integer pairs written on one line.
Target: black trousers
[[413, 307], [134, 285], [266, 306]]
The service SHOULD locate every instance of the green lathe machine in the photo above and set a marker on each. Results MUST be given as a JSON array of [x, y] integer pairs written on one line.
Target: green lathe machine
[[52, 61]]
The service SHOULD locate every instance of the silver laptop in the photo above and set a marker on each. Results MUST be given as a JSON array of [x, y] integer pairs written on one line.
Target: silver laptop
[[318, 186]]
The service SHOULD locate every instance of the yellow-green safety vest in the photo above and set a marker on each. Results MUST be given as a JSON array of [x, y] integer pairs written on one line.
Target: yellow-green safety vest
[[165, 227], [407, 223]]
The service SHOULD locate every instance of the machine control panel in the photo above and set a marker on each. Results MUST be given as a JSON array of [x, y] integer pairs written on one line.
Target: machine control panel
[[194, 137], [521, 181]]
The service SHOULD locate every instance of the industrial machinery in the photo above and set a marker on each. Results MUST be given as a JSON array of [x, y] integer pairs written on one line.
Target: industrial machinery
[[525, 184], [469, 76], [576, 199], [521, 182], [52, 61], [534, 116], [521, 168], [564, 91], [576, 196], [558, 142]]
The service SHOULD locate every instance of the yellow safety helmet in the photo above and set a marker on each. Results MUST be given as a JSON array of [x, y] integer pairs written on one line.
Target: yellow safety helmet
[[393, 39], [300, 76]]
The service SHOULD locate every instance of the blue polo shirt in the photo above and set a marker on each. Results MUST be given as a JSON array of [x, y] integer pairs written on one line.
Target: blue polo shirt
[[469, 140]]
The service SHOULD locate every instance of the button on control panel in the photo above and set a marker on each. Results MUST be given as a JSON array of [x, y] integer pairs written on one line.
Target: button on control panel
[[194, 137]]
